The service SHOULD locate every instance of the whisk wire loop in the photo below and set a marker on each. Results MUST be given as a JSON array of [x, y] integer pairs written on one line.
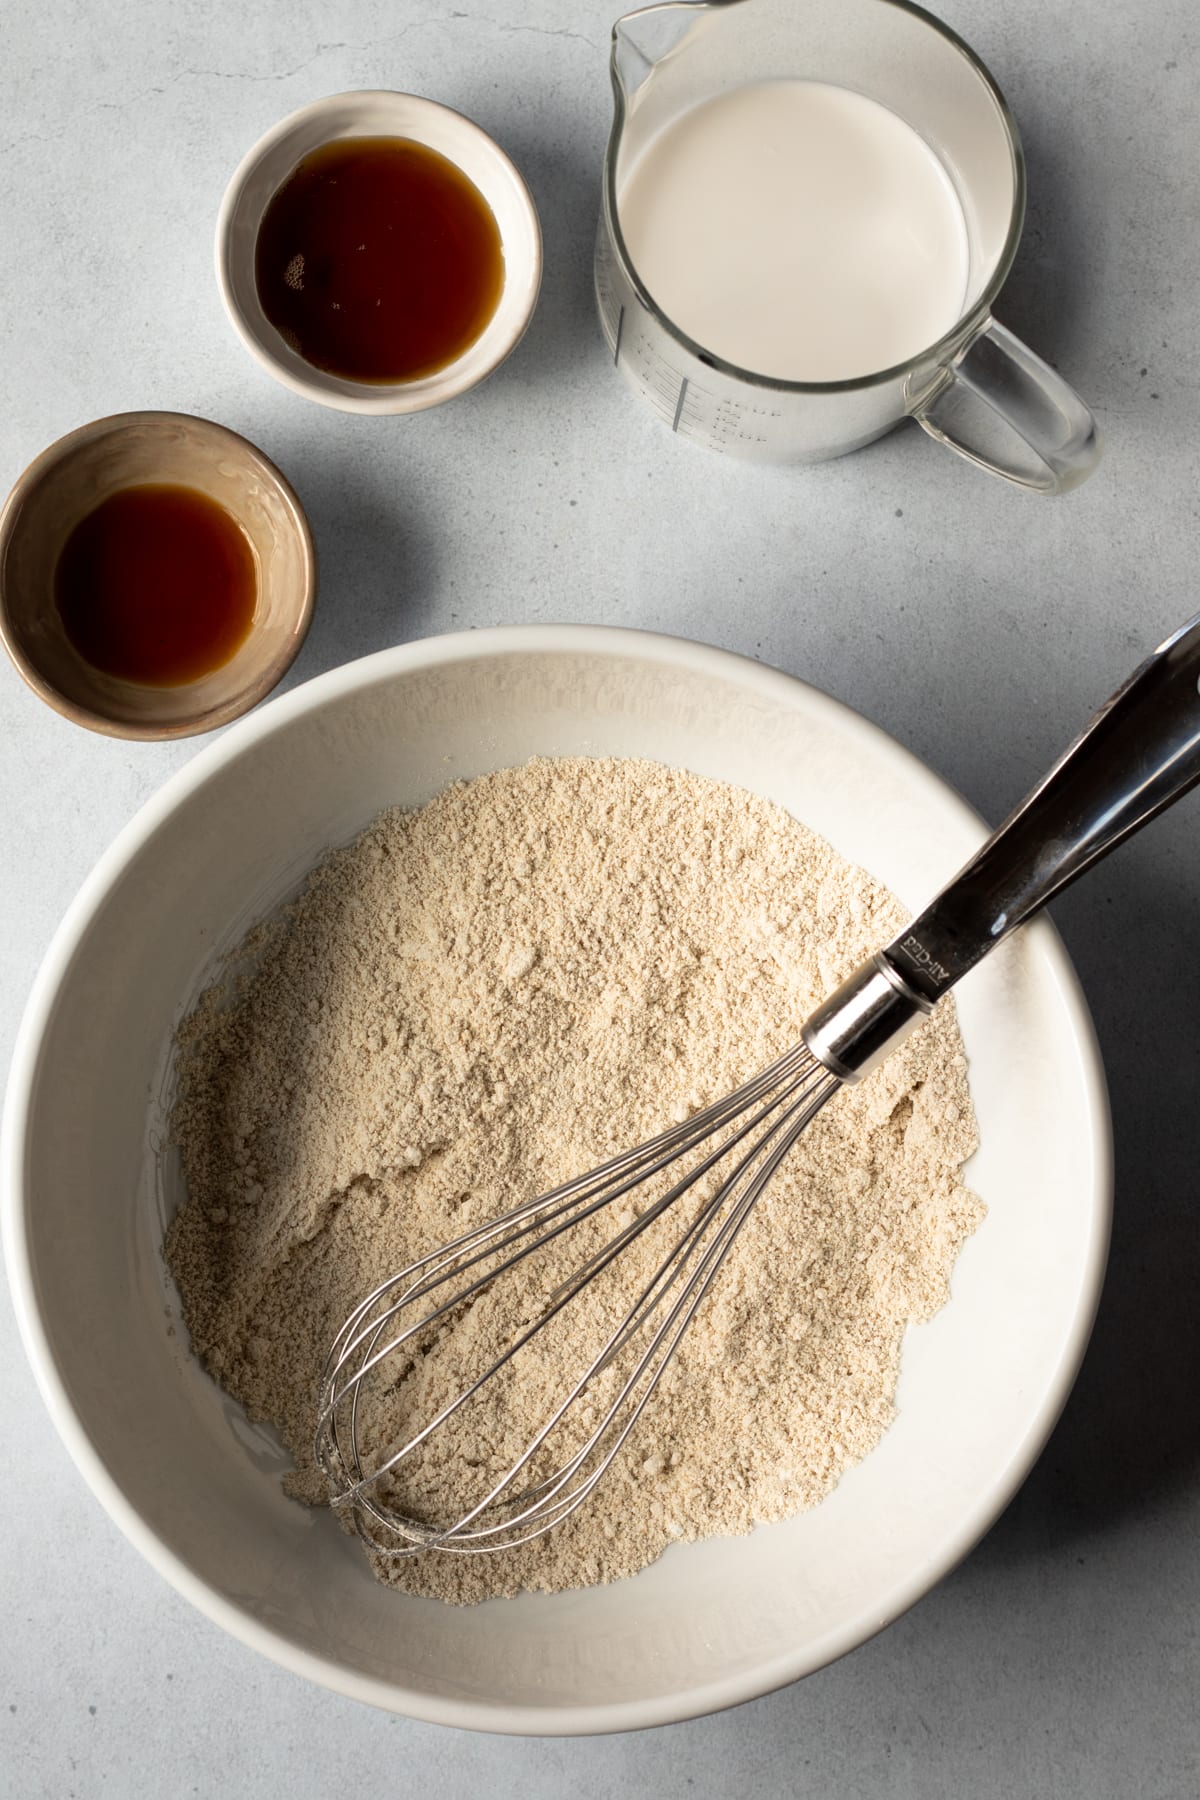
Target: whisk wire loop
[[777, 1104]]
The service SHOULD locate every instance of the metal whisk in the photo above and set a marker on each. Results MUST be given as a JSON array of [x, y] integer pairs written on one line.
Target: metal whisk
[[1140, 752]]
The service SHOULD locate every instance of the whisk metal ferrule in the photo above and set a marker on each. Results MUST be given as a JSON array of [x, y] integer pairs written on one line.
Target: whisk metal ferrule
[[864, 1019]]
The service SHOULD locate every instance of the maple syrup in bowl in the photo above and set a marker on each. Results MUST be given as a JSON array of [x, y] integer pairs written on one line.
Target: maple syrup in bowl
[[157, 575], [378, 260], [378, 252]]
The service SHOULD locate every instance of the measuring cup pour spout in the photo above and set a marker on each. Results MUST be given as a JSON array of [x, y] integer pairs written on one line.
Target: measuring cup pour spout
[[976, 388], [641, 38]]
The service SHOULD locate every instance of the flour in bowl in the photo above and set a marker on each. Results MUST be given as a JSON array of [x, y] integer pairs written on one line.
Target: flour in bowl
[[478, 1000]]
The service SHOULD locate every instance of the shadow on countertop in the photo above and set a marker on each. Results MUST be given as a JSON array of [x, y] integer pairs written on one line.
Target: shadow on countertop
[[1129, 1438], [1049, 294]]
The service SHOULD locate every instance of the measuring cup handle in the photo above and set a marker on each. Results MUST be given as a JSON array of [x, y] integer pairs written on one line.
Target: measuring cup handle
[[1007, 411]]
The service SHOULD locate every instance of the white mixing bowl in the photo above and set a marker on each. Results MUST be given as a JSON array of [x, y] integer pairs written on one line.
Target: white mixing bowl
[[195, 1486]]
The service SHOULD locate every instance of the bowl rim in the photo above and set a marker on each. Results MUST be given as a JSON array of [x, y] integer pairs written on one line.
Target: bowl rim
[[272, 673], [383, 398], [482, 1715]]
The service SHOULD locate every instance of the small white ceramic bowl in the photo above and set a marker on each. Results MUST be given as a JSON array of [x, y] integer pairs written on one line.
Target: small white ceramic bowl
[[86, 1189], [378, 113]]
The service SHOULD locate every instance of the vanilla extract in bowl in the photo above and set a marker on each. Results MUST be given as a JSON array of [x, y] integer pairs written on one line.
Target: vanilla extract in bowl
[[378, 260], [157, 585]]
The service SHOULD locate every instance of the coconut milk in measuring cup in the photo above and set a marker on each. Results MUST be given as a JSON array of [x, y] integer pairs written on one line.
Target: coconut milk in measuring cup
[[809, 207]]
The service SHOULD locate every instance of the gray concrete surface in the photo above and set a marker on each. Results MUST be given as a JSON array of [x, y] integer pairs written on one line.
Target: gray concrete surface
[[976, 623]]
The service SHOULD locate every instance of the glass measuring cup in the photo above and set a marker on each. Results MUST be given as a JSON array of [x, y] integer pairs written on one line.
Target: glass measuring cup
[[978, 389]]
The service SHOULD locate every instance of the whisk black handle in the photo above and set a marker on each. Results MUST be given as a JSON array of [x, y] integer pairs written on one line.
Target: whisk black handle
[[1139, 753]]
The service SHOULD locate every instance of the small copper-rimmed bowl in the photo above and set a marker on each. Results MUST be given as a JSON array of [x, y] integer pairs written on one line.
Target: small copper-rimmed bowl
[[74, 476]]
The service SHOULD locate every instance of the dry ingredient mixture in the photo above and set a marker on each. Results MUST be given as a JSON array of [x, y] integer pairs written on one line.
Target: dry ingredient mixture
[[480, 999]]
